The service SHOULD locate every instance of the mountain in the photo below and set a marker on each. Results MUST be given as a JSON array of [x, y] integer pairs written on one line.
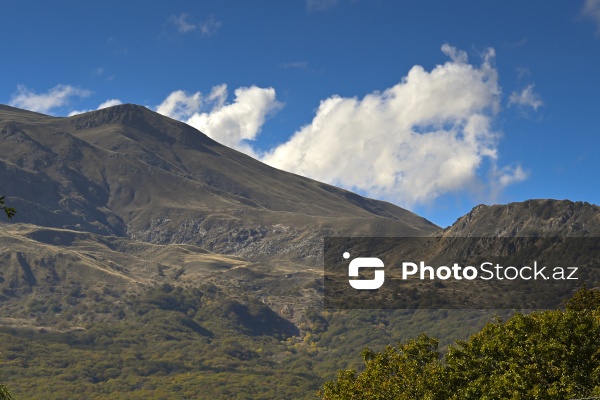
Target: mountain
[[130, 172], [541, 217], [136, 232], [123, 198], [149, 261]]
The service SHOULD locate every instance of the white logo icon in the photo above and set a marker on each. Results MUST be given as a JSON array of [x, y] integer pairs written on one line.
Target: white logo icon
[[365, 262]]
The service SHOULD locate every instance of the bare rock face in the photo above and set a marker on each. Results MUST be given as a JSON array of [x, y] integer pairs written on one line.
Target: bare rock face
[[541, 217]]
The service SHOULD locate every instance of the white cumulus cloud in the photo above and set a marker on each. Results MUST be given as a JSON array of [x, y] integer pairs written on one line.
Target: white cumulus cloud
[[232, 124], [105, 104], [428, 135], [109, 103], [179, 104], [58, 96], [508, 175], [526, 98]]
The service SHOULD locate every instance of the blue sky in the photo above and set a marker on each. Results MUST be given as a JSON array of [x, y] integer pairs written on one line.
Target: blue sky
[[435, 106]]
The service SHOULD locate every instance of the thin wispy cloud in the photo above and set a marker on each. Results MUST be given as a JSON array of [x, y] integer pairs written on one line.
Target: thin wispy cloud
[[320, 5], [97, 71], [58, 96], [519, 43], [182, 23], [100, 72], [591, 9], [294, 65], [303, 66], [116, 46], [526, 98], [522, 72], [210, 26]]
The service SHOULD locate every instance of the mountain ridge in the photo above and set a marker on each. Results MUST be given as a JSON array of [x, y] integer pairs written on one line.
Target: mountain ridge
[[533, 217], [128, 171]]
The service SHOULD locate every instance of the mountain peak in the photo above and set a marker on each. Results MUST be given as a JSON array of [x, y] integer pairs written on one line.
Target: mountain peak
[[126, 114], [536, 217], [127, 170]]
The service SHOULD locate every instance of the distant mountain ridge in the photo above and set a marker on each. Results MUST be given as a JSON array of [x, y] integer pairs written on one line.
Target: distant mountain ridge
[[537, 217]]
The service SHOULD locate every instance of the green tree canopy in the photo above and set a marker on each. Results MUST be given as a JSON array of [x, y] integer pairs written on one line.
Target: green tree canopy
[[10, 212], [544, 355], [4, 393]]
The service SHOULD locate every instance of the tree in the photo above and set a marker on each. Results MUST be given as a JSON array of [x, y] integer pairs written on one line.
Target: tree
[[10, 212], [4, 393], [410, 371], [545, 355]]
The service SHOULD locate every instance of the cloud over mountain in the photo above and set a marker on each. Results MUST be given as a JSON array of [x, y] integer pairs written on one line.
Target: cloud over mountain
[[232, 124], [428, 135], [425, 136], [104, 104], [56, 97]]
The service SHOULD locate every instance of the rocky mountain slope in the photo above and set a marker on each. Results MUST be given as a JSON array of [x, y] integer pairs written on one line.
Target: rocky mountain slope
[[121, 199], [541, 217], [130, 172]]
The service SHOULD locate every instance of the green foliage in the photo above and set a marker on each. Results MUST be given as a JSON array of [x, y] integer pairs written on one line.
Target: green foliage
[[411, 371], [165, 342], [584, 300], [544, 355], [4, 393], [198, 342], [10, 211]]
